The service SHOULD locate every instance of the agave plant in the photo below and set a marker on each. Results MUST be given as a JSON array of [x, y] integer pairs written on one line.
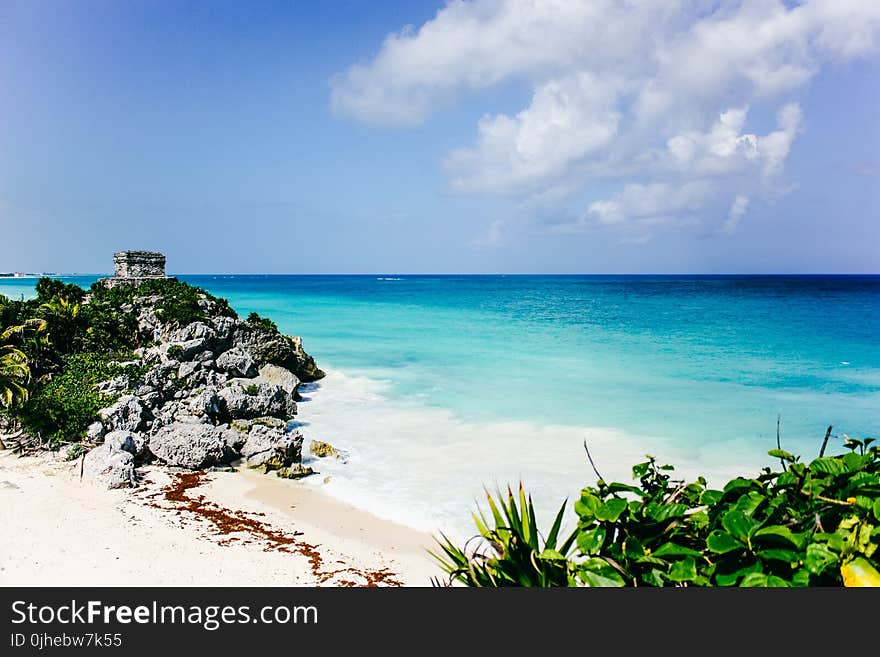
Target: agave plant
[[511, 551]]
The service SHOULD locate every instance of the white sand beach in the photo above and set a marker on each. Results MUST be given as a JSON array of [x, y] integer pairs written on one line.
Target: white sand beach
[[217, 529]]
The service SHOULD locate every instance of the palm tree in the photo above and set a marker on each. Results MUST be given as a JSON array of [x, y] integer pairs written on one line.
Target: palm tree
[[63, 316], [15, 374]]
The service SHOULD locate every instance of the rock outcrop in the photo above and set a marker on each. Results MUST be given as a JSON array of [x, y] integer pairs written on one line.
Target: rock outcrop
[[210, 393]]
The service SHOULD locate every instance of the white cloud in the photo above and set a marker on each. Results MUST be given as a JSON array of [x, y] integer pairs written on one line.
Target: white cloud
[[726, 148], [567, 119], [492, 237], [653, 95], [735, 214]]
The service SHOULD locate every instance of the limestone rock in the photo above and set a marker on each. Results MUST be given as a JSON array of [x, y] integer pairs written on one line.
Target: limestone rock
[[114, 386], [323, 450], [95, 432], [127, 414], [270, 347], [192, 445], [187, 350], [272, 448], [127, 441], [280, 376], [113, 467], [187, 369], [295, 471], [205, 403], [245, 399], [194, 331], [237, 362]]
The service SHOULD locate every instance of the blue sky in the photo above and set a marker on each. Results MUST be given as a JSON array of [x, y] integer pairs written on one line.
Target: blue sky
[[486, 136]]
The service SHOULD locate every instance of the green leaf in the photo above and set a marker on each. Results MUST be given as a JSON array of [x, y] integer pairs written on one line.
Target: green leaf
[[671, 549], [550, 542], [632, 548], [877, 508], [835, 541], [699, 520], [862, 479], [828, 465], [551, 555], [610, 511], [640, 469], [654, 577], [711, 497], [738, 525], [617, 487], [775, 554], [780, 532], [754, 580], [683, 571], [664, 512], [818, 558], [721, 542], [739, 482], [586, 506], [864, 502], [591, 541], [854, 462], [730, 578], [750, 502], [598, 572], [781, 454]]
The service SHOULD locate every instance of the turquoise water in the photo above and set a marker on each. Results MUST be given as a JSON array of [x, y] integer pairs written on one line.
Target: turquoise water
[[694, 367]]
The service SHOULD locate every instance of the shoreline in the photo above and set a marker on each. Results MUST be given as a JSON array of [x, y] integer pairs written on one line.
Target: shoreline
[[229, 529], [385, 474]]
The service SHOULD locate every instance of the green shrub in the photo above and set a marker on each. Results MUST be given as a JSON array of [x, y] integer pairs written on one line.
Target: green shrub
[[75, 452], [62, 409], [805, 525], [175, 351], [263, 322], [251, 390], [50, 288]]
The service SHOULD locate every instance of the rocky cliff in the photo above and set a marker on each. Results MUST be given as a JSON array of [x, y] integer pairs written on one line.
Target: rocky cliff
[[207, 394]]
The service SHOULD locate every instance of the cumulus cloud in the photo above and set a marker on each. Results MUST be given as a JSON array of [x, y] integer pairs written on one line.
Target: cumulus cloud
[[567, 119], [654, 96], [737, 210]]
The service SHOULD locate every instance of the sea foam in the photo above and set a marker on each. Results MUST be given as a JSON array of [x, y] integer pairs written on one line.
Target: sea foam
[[426, 468]]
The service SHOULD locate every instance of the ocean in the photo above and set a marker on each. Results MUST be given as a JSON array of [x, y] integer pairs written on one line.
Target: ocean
[[441, 386]]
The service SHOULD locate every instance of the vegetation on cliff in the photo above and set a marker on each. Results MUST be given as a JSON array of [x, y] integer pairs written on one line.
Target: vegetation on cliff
[[69, 353]]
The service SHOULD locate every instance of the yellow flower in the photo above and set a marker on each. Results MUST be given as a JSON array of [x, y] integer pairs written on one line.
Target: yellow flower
[[851, 500]]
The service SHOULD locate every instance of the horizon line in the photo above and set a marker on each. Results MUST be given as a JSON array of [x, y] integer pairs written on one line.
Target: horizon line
[[390, 273]]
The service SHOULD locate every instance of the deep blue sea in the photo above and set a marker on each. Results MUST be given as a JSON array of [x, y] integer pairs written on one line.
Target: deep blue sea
[[439, 385]]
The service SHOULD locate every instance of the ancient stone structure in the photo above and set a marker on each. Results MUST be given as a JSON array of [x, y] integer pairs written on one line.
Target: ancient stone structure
[[135, 267]]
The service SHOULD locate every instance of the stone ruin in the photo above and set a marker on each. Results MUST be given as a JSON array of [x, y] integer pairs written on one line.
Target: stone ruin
[[135, 267]]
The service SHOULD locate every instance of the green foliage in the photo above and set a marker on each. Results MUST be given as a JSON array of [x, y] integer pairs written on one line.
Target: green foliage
[[74, 452], [178, 302], [263, 322], [49, 289], [63, 408], [55, 348], [251, 389], [815, 524], [65, 321], [15, 369], [175, 351], [517, 554]]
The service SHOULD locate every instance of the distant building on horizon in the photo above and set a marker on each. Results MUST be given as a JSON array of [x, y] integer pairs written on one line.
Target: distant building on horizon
[[136, 267]]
